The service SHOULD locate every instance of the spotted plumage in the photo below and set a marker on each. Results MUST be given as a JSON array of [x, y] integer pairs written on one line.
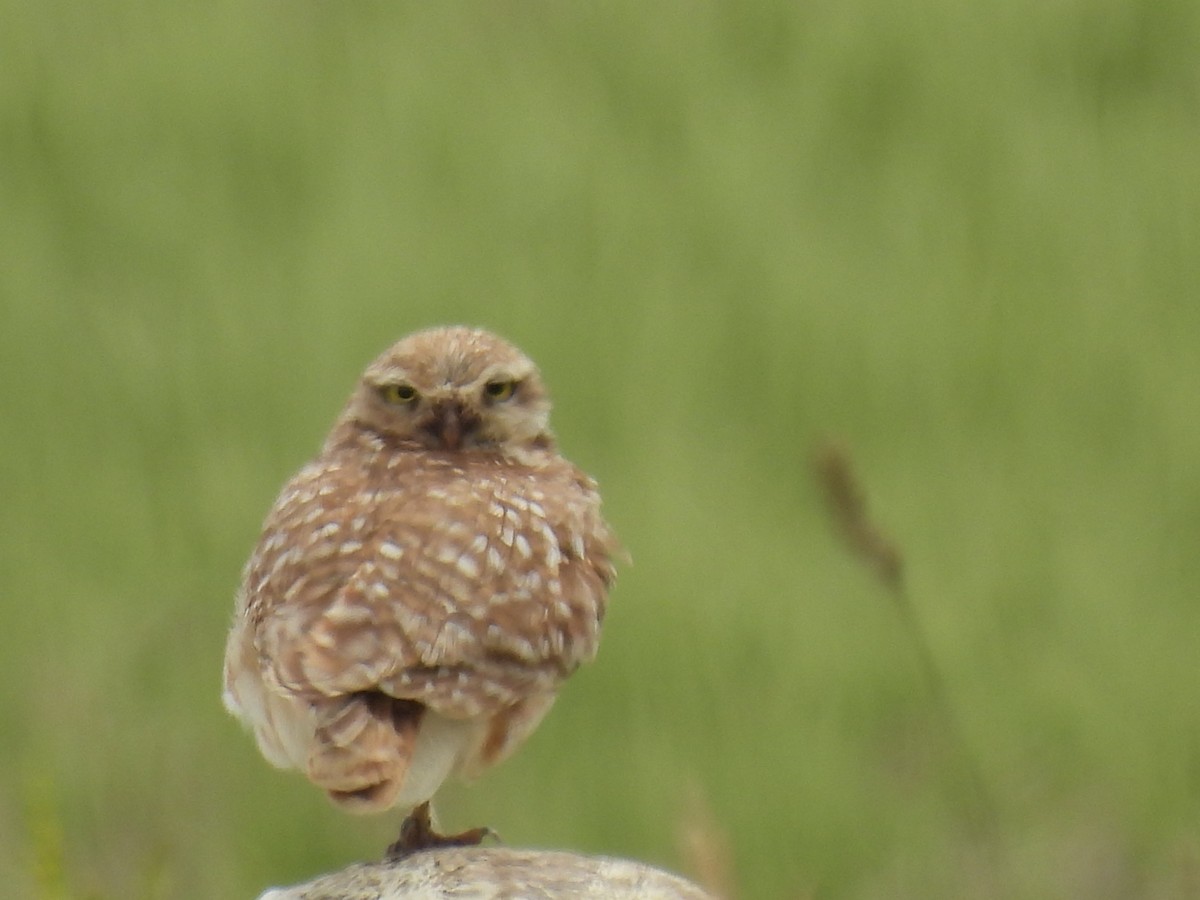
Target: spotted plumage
[[423, 587]]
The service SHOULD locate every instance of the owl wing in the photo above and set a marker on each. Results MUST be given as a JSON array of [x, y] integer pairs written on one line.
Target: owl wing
[[481, 587]]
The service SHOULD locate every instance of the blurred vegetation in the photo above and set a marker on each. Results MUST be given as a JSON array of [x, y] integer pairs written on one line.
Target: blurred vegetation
[[962, 236]]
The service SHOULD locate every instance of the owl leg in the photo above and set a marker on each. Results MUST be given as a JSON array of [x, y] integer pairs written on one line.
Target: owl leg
[[416, 833]]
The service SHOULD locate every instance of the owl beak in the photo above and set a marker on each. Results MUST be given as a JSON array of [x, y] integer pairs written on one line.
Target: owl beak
[[451, 424]]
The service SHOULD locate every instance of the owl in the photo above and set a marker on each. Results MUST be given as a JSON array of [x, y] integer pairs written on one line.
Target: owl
[[423, 587]]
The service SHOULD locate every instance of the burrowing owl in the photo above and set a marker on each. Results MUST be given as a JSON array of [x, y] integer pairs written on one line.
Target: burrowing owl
[[423, 587]]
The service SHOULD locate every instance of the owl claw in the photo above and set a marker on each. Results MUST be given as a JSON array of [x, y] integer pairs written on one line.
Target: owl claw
[[416, 834]]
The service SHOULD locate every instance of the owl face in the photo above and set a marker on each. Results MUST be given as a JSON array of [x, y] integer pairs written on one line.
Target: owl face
[[454, 389]]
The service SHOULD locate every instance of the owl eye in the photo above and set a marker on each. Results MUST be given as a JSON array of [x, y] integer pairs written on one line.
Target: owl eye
[[499, 390], [398, 394]]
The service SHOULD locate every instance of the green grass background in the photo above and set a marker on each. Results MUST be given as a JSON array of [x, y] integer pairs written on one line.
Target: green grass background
[[964, 236]]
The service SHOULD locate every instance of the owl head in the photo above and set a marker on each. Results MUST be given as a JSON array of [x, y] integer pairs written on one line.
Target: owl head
[[453, 389]]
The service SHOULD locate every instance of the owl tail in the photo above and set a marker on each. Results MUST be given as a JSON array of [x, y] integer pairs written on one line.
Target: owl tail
[[362, 749]]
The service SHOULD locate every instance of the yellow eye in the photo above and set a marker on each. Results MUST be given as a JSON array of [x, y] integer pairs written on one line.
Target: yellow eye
[[398, 394], [499, 390]]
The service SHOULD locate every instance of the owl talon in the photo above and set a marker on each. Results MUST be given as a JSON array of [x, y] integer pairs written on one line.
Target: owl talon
[[416, 834]]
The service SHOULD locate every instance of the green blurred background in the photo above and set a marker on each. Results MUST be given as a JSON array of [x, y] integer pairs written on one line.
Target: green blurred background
[[963, 235]]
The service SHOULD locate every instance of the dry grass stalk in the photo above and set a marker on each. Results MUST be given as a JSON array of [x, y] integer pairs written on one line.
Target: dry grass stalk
[[847, 506], [705, 849]]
